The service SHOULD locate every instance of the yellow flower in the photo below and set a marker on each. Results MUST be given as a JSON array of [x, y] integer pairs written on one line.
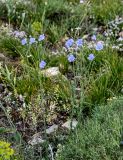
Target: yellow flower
[[5, 151]]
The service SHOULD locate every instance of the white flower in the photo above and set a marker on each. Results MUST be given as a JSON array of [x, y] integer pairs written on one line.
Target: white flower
[[120, 39], [81, 1]]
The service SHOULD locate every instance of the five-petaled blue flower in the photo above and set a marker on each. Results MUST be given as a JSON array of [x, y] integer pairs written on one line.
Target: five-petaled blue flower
[[24, 41], [79, 42], [91, 57], [99, 46], [71, 58], [42, 64], [69, 43], [32, 40], [41, 37], [93, 38]]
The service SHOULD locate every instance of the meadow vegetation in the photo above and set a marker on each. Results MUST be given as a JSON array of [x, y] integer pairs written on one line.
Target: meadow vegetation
[[61, 61]]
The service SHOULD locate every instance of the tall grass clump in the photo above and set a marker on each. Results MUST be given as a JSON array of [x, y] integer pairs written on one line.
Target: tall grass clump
[[98, 137]]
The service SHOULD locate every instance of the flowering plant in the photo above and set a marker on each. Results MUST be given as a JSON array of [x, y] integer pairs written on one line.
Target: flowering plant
[[5, 151]]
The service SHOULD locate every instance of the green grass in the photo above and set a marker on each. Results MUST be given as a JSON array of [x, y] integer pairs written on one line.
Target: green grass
[[104, 11], [98, 137]]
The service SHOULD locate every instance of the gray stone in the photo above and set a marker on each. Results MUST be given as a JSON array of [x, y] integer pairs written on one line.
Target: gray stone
[[36, 139], [70, 125], [3, 57], [52, 129], [51, 72]]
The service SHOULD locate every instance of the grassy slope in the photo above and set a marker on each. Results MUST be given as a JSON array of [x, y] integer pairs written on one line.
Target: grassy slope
[[97, 138]]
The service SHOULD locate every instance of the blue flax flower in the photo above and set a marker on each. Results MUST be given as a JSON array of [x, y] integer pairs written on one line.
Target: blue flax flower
[[24, 41], [93, 38], [41, 37], [99, 46], [79, 42], [91, 57], [32, 40], [71, 58], [69, 43], [42, 64]]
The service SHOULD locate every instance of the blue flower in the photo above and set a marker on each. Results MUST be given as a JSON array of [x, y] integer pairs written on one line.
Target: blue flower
[[91, 57], [42, 64], [93, 38], [32, 40], [24, 41], [69, 43], [41, 37], [99, 46], [71, 58], [79, 42]]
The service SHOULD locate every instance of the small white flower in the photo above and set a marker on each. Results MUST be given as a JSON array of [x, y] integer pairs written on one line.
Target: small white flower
[[81, 1], [78, 28], [120, 39], [115, 47]]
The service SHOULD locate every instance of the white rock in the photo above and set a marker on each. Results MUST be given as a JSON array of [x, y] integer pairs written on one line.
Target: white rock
[[68, 124], [50, 72], [52, 129], [36, 139]]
